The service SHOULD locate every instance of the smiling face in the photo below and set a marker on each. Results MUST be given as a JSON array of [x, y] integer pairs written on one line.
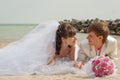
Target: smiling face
[[69, 41], [65, 36], [93, 39], [98, 29]]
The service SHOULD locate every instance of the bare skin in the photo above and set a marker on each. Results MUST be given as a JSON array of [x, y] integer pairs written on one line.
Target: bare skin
[[65, 50]]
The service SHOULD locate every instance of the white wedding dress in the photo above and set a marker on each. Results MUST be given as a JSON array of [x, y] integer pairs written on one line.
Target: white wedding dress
[[30, 54]]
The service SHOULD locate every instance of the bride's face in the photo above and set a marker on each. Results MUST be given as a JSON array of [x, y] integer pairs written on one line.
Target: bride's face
[[70, 40]]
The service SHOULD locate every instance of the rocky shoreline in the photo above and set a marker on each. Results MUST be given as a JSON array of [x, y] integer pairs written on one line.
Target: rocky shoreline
[[82, 25]]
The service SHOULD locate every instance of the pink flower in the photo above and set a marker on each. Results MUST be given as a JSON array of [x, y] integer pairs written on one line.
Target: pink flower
[[102, 66], [93, 62], [94, 69], [105, 73], [106, 59], [100, 57], [96, 62], [100, 70], [111, 72]]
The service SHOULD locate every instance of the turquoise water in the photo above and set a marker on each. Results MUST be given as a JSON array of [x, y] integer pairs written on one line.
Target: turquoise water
[[12, 32]]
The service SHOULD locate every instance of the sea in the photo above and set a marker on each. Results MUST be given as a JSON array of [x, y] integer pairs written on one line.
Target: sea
[[13, 32]]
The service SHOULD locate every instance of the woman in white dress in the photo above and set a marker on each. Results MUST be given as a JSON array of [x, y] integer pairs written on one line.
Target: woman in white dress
[[65, 42], [30, 54]]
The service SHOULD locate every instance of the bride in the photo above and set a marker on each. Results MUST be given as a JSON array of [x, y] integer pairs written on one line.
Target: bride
[[49, 43]]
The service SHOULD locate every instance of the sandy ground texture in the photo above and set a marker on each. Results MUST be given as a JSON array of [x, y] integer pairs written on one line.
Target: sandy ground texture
[[80, 36]]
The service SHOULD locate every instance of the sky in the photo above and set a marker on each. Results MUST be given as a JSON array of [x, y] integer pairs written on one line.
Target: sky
[[36, 11]]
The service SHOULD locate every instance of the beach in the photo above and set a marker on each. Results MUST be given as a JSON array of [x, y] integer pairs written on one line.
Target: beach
[[69, 76]]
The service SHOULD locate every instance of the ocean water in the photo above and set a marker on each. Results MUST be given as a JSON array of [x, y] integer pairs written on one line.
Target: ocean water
[[12, 32]]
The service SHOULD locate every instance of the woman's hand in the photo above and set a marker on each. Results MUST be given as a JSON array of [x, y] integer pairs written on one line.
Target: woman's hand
[[79, 64], [51, 60], [72, 51]]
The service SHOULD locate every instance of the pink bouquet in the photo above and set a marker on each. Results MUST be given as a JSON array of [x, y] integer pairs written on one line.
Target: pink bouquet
[[102, 66]]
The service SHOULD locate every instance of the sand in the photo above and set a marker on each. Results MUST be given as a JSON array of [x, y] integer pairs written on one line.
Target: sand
[[80, 36]]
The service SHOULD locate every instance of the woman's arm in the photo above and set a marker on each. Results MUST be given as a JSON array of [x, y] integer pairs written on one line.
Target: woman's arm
[[79, 64], [72, 53], [52, 59]]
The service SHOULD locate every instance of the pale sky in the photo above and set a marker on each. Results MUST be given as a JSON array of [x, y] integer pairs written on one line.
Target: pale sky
[[36, 11]]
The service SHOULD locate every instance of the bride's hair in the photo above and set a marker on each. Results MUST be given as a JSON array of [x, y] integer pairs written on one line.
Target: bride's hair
[[64, 30]]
